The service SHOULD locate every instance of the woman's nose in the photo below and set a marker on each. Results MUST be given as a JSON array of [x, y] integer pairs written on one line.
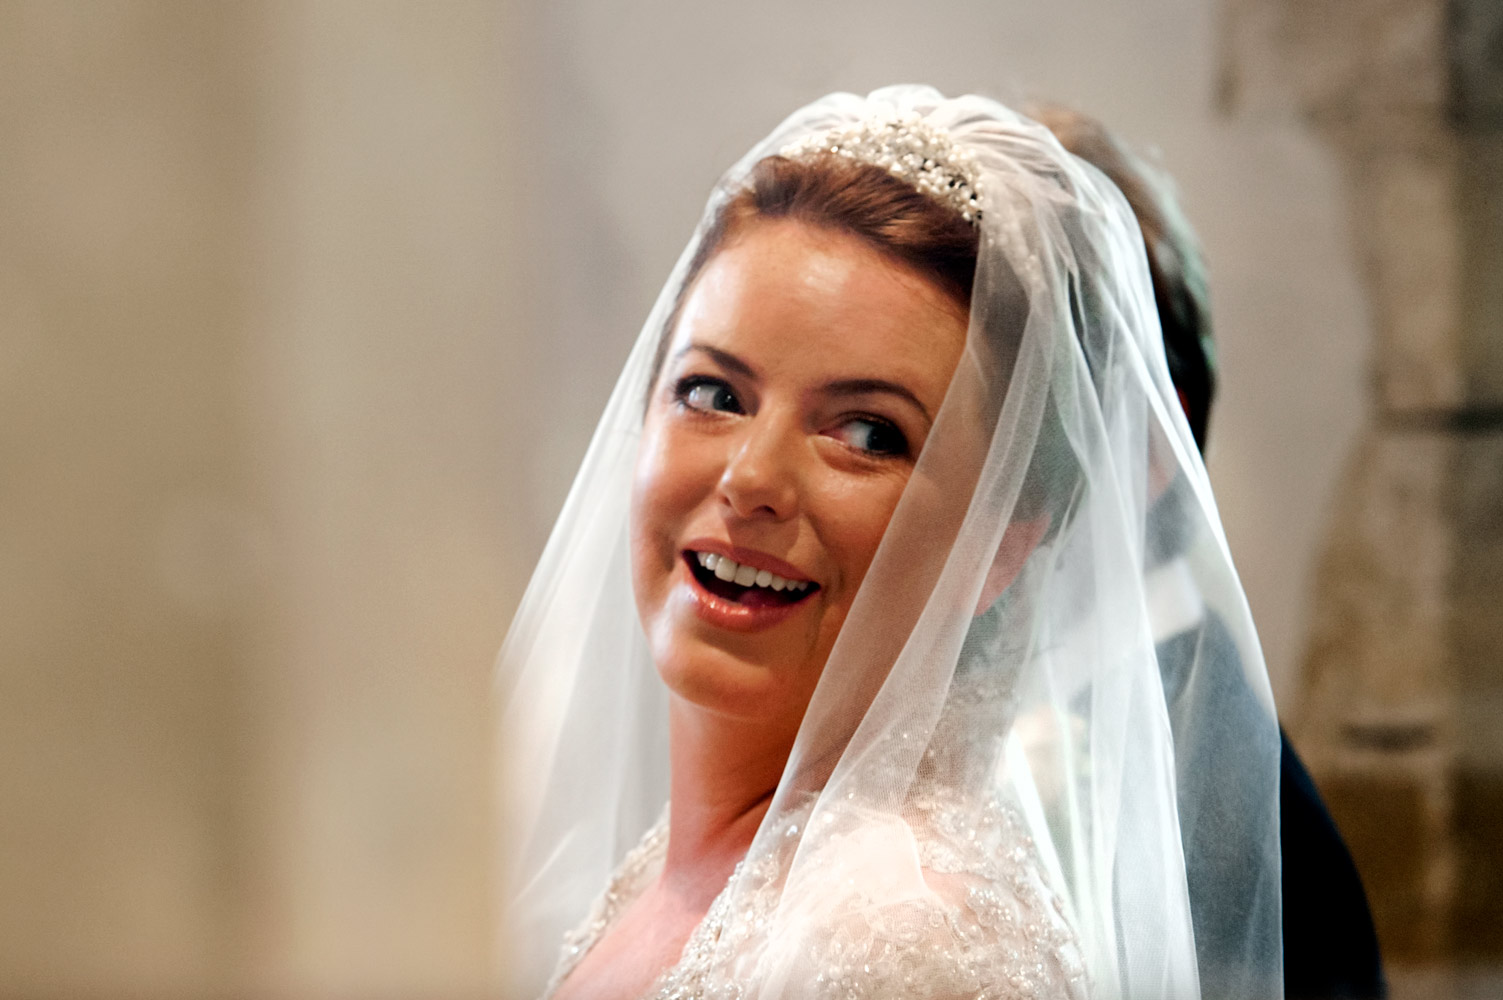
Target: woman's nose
[[761, 474]]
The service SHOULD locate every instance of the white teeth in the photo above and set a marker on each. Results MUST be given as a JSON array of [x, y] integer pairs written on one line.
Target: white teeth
[[747, 576]]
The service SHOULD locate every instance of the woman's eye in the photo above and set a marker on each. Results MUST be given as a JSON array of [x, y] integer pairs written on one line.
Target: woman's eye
[[872, 435], [707, 395]]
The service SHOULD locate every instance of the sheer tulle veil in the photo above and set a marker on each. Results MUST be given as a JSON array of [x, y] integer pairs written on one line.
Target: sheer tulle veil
[[1148, 782]]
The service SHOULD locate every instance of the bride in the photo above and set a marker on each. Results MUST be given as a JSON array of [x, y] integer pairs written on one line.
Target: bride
[[837, 677]]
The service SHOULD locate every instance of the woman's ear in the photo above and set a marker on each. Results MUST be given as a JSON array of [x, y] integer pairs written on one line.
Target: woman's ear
[[1018, 543]]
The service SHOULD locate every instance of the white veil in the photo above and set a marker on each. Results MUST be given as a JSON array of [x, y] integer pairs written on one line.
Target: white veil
[[1147, 779]]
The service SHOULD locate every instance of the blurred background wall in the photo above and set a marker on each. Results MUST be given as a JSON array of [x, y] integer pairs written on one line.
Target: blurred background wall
[[1400, 698], [260, 332], [307, 310]]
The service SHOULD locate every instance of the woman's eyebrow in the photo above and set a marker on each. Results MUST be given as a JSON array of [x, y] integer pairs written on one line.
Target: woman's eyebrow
[[862, 386], [725, 359]]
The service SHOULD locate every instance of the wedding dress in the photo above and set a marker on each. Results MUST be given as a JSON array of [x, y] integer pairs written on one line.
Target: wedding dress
[[951, 899], [950, 903], [984, 798]]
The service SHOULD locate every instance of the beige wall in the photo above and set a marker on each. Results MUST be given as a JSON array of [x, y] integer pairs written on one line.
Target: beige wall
[[379, 376], [258, 316], [123, 486]]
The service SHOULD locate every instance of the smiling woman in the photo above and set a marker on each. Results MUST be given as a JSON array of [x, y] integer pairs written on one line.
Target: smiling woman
[[803, 371], [838, 676]]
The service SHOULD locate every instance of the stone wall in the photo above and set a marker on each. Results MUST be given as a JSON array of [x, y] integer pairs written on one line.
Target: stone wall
[[1403, 679]]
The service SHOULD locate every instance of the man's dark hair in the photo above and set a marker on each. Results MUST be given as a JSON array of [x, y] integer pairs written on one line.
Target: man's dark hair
[[1174, 259]]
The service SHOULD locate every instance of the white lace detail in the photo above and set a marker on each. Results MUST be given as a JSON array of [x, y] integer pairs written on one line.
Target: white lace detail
[[975, 919]]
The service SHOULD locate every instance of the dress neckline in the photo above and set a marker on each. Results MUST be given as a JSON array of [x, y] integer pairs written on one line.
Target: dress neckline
[[631, 877]]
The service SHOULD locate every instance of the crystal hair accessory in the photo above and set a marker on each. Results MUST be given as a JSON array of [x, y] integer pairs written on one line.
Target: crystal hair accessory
[[910, 149]]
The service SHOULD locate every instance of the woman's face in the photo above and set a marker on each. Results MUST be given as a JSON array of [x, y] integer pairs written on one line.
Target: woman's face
[[798, 388]]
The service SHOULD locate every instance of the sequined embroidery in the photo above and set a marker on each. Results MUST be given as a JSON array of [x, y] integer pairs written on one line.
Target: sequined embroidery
[[989, 929]]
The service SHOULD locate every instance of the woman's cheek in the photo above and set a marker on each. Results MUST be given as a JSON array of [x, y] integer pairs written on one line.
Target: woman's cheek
[[861, 513], [651, 518], [679, 477], [673, 476]]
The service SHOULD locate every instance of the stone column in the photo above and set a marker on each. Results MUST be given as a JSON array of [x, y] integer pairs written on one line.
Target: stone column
[[1403, 675], [261, 324], [126, 545]]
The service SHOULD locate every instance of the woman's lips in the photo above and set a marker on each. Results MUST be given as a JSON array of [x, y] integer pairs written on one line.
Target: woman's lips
[[738, 596]]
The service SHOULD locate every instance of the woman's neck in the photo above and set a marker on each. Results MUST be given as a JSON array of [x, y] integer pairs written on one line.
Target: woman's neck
[[724, 773]]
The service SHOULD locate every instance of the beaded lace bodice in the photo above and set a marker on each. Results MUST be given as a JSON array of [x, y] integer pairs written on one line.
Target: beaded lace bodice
[[948, 903]]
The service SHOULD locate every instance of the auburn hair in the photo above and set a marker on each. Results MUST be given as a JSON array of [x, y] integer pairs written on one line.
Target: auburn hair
[[838, 193]]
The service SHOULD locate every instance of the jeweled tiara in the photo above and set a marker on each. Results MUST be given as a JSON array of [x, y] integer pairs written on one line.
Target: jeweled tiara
[[910, 149]]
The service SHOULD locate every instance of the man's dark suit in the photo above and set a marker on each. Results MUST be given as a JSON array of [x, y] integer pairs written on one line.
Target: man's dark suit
[[1330, 948]]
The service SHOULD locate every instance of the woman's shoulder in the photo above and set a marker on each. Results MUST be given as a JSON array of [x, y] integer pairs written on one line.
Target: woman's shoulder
[[947, 899]]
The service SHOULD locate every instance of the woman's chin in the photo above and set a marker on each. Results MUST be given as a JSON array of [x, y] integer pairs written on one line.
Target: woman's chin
[[727, 685]]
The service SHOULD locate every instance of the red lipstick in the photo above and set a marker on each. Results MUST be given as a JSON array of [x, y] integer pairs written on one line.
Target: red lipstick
[[721, 603]]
